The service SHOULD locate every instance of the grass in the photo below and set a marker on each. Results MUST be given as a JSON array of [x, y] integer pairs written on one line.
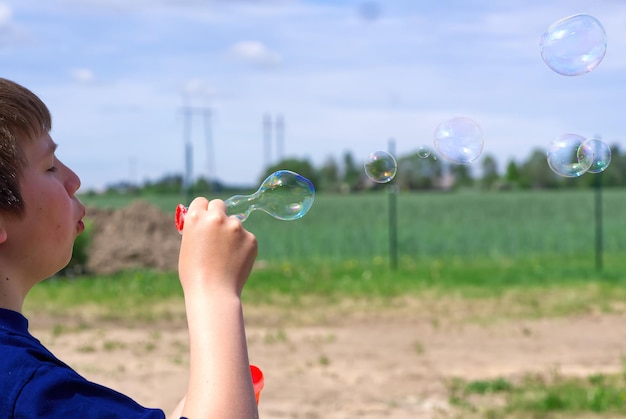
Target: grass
[[129, 296], [539, 396], [490, 290]]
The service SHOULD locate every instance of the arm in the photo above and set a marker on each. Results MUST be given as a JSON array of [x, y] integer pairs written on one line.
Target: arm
[[177, 413], [216, 258]]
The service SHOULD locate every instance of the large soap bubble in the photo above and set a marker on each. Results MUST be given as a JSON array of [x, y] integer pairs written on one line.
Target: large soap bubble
[[568, 157], [459, 140], [574, 45]]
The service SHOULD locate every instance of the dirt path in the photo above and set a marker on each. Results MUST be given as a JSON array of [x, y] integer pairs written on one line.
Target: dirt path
[[378, 366]]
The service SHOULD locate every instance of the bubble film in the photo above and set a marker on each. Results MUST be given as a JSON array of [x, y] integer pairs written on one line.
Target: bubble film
[[459, 140], [381, 167], [574, 45], [568, 157]]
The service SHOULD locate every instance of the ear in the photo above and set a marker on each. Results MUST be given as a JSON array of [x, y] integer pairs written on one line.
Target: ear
[[3, 230]]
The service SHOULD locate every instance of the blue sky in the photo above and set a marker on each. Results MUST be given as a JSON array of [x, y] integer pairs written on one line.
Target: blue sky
[[116, 74]]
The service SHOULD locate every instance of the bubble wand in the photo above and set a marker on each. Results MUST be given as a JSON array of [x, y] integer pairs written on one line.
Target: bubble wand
[[285, 195]]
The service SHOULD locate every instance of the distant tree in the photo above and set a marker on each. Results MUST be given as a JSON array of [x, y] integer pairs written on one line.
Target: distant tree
[[490, 172], [204, 186], [535, 172], [417, 173], [512, 175], [329, 174], [462, 175], [123, 188], [168, 184], [352, 173], [414, 173], [201, 186]]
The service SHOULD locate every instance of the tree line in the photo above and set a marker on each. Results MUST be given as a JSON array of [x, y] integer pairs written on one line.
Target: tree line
[[346, 174]]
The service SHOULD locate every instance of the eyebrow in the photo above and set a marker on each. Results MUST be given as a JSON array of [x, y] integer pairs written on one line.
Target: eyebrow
[[52, 147]]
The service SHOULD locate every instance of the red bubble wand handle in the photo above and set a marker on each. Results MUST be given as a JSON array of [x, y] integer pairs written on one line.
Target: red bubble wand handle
[[258, 381]]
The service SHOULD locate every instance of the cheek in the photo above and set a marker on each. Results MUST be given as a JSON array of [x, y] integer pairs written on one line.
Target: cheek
[[60, 224], [55, 218]]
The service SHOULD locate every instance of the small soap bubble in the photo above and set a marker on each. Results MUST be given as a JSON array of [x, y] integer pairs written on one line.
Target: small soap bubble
[[568, 157], [459, 140], [574, 45], [381, 166], [423, 152], [601, 155]]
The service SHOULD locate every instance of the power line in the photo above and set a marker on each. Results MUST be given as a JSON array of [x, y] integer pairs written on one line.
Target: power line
[[275, 129], [279, 124], [188, 113], [267, 139]]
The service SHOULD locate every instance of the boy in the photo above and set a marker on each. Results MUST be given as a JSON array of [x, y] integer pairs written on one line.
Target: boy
[[40, 216]]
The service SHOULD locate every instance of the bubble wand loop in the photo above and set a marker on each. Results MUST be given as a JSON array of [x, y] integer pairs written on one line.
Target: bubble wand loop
[[285, 195]]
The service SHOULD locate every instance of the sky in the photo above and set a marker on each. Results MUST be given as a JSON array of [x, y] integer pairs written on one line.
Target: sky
[[344, 76]]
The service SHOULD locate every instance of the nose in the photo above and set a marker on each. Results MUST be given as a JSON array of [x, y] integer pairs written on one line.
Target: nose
[[75, 182], [72, 181]]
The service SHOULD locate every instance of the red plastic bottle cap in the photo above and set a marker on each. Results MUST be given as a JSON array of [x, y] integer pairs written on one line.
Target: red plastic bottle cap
[[257, 381], [179, 217]]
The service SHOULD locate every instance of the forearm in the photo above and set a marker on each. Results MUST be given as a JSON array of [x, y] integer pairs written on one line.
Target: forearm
[[216, 258], [219, 380], [178, 410]]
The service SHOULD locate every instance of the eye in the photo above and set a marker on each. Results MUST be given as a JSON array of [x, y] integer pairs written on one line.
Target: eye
[[52, 168]]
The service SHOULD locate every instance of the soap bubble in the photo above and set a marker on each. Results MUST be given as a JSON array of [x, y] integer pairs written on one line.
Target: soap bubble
[[568, 157], [381, 166], [574, 45], [601, 155], [423, 152], [459, 140]]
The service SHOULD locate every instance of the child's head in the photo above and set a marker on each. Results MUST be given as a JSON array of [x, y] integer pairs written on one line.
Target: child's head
[[23, 117]]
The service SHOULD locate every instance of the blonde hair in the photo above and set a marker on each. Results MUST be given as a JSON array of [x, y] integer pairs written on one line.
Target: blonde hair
[[23, 117]]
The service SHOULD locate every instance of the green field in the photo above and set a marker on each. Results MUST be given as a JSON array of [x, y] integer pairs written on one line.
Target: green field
[[539, 244], [484, 225]]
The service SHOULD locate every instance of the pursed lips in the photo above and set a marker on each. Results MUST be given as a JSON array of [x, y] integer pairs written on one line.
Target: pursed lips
[[81, 224]]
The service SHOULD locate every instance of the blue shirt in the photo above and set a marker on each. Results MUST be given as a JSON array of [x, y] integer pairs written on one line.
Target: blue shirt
[[36, 384]]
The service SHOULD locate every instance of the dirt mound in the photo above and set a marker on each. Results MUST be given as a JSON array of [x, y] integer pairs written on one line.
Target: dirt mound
[[138, 236]]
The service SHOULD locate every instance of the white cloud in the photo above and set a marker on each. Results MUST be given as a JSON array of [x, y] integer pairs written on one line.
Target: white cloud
[[197, 87], [256, 53], [6, 15], [83, 75]]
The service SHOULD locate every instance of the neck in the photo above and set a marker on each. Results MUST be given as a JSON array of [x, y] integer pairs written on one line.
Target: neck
[[11, 294]]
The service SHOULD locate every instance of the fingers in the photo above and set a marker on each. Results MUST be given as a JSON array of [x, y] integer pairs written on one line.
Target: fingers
[[199, 208], [216, 249], [199, 203]]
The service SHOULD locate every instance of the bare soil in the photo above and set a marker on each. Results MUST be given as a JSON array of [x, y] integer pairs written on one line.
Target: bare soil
[[135, 237], [369, 365]]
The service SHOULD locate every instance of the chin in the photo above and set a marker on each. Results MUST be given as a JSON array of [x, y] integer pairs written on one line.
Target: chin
[[62, 267]]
